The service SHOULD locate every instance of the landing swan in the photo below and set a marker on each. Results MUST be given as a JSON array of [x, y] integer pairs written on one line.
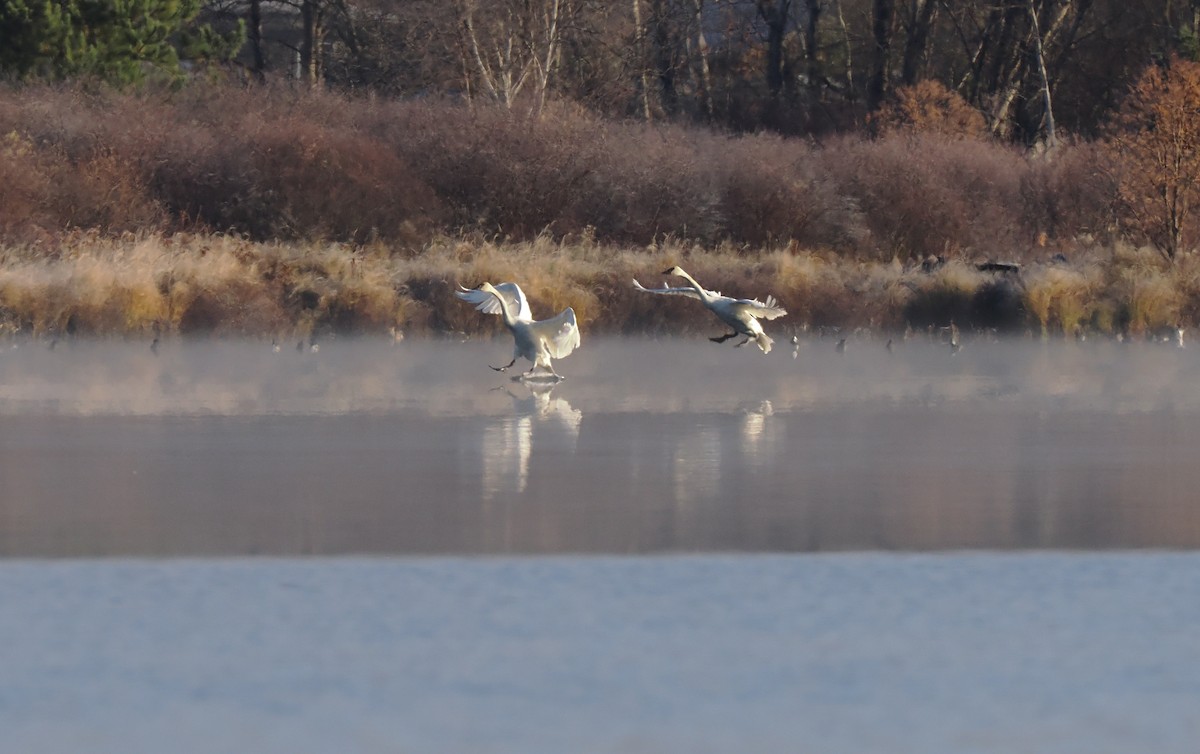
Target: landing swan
[[537, 341], [741, 314]]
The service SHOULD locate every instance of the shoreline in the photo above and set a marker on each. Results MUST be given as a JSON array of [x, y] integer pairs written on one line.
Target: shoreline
[[221, 285]]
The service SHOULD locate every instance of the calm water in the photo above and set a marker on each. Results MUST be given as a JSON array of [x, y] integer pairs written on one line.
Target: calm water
[[363, 447], [618, 641], [1034, 653]]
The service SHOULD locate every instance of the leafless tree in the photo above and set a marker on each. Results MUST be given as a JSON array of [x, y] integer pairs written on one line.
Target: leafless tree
[[515, 44]]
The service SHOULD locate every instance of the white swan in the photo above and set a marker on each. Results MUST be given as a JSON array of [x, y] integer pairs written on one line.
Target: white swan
[[742, 314], [537, 341]]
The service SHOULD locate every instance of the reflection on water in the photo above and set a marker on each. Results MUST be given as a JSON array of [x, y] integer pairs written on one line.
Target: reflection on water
[[230, 447], [508, 441], [754, 422]]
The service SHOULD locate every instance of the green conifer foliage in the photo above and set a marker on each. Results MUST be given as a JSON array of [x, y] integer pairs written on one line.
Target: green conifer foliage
[[118, 41]]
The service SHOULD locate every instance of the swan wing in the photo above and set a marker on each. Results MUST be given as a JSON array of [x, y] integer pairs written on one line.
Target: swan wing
[[560, 334], [514, 298], [689, 292], [769, 309]]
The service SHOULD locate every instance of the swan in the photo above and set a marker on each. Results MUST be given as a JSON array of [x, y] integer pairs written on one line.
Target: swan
[[741, 314], [538, 341]]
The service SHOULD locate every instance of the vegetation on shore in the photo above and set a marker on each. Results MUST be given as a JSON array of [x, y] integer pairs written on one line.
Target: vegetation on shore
[[265, 210], [218, 284]]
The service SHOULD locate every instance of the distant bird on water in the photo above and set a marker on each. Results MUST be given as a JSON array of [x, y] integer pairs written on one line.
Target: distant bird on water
[[537, 341], [741, 314]]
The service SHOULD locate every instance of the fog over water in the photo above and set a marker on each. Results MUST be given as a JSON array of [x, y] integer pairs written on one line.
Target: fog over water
[[231, 448], [224, 449]]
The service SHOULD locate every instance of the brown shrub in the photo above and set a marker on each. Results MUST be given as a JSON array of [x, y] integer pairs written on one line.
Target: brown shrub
[[1068, 192], [271, 163], [927, 195], [769, 195], [105, 193], [278, 175], [25, 188], [929, 107], [652, 183], [518, 176], [320, 183], [499, 171]]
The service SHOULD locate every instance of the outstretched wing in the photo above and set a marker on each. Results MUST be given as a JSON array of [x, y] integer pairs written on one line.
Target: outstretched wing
[[514, 298], [769, 309], [561, 333], [689, 292]]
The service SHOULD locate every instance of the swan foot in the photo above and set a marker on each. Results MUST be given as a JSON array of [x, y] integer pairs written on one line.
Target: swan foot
[[723, 338], [744, 342], [505, 367], [541, 378]]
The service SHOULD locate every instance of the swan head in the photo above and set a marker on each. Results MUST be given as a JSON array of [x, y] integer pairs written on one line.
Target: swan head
[[486, 288], [676, 270]]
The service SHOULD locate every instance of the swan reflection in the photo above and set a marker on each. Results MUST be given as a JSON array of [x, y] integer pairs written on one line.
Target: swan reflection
[[702, 459], [754, 422], [508, 442]]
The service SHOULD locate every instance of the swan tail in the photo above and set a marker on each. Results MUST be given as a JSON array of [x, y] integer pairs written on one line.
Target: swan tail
[[764, 342]]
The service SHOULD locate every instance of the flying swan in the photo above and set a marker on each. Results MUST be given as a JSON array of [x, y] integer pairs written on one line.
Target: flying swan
[[741, 314], [537, 341]]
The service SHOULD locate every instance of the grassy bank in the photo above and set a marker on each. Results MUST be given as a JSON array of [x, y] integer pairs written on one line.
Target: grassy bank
[[214, 284]]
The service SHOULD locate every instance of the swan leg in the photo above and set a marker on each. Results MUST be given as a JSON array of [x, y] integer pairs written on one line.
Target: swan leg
[[744, 342], [723, 338], [506, 366]]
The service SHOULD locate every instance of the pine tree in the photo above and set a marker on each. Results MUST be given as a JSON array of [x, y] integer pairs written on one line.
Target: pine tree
[[118, 41]]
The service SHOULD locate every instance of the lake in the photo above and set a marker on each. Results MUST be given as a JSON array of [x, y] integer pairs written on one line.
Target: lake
[[215, 546], [231, 448]]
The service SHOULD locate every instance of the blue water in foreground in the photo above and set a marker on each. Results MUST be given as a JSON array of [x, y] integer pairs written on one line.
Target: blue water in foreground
[[1031, 652]]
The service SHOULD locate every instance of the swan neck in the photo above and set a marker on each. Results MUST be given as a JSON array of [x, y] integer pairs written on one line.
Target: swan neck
[[504, 312], [695, 286]]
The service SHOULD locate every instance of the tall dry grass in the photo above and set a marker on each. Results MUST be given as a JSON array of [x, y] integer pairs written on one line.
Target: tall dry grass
[[216, 284]]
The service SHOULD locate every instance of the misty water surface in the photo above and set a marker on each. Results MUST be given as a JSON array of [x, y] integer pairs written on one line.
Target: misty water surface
[[215, 447]]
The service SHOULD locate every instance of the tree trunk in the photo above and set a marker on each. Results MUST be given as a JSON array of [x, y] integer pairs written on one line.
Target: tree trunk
[[1174, 222], [917, 44], [988, 40], [849, 72], [664, 64], [310, 43], [1004, 72], [254, 36], [705, 71], [549, 62], [882, 15], [1048, 109], [775, 14], [812, 50], [639, 54]]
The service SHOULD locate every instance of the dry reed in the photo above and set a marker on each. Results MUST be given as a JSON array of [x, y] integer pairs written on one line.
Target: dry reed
[[215, 284]]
